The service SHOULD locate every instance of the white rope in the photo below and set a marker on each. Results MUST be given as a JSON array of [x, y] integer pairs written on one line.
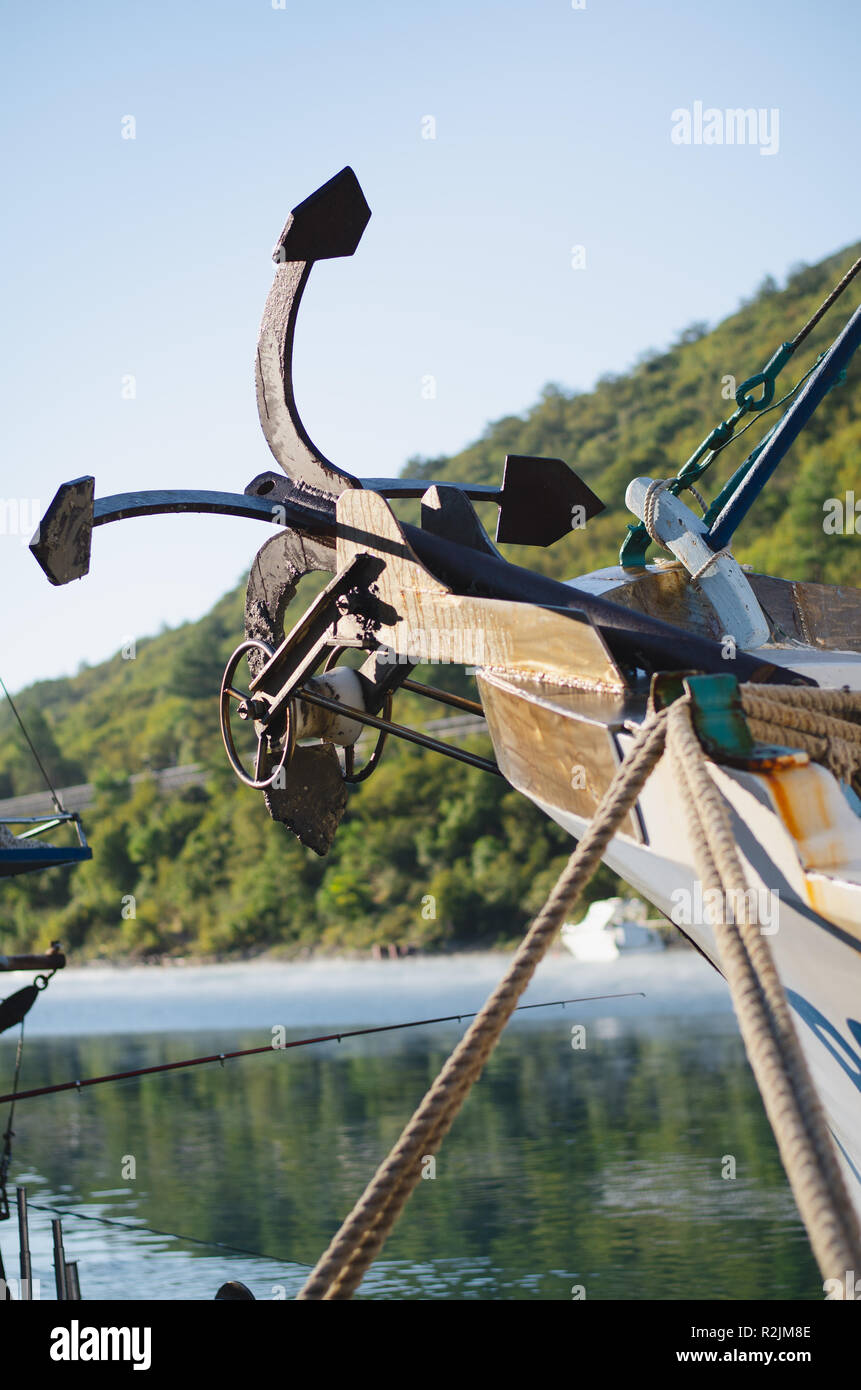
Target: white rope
[[650, 502], [698, 495], [707, 564]]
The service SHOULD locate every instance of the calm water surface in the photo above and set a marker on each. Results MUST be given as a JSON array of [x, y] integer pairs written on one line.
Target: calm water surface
[[599, 1167]]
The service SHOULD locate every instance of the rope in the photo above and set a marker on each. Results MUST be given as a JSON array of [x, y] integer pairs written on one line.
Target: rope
[[771, 1042], [698, 495], [759, 1000], [707, 564], [826, 724], [650, 502]]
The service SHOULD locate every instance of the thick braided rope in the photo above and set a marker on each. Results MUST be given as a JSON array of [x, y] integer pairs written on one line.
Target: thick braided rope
[[772, 1046], [717, 860], [362, 1235], [812, 723], [846, 703]]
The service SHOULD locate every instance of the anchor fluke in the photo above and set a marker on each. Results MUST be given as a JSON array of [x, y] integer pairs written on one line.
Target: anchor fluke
[[541, 500], [64, 535], [327, 224]]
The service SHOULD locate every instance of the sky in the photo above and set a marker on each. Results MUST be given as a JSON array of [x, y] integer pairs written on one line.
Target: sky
[[537, 218]]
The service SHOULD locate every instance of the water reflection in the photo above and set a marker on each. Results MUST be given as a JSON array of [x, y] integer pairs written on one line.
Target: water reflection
[[598, 1167]]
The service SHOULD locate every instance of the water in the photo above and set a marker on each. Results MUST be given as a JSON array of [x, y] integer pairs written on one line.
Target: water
[[598, 1167]]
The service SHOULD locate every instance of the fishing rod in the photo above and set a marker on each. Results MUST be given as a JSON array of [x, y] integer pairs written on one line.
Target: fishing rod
[[136, 1228], [223, 1057]]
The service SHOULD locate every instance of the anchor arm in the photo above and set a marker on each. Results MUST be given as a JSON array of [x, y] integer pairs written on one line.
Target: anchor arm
[[63, 541], [540, 500], [327, 224]]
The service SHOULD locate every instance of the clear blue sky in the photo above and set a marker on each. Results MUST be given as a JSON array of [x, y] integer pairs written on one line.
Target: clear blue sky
[[151, 257]]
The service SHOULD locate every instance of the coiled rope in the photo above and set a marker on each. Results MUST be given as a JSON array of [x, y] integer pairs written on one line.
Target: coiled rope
[[824, 723], [760, 1003]]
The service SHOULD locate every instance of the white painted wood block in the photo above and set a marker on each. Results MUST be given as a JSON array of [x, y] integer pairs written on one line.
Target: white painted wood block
[[724, 583]]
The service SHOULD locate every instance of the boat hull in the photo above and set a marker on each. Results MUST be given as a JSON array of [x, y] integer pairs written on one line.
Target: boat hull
[[798, 833]]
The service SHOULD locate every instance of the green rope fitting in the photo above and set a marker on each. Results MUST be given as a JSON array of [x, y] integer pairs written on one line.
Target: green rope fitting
[[765, 379]]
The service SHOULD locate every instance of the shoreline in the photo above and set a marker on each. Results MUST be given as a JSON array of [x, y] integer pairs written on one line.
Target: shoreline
[[308, 955], [255, 996]]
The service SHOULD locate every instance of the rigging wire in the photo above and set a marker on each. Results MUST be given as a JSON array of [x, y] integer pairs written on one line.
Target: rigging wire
[[223, 1057], [54, 797], [826, 303], [802, 333], [694, 466]]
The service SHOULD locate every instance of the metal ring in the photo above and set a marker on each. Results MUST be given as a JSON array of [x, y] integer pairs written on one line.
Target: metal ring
[[349, 754], [227, 693], [334, 657]]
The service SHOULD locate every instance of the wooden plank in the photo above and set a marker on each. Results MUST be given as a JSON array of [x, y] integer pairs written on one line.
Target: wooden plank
[[422, 620]]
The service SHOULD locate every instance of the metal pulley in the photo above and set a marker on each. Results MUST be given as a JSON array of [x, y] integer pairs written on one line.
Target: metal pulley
[[281, 717], [285, 700], [278, 721]]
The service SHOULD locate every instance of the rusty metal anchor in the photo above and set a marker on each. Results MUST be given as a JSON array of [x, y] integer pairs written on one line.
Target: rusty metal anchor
[[537, 497], [537, 501]]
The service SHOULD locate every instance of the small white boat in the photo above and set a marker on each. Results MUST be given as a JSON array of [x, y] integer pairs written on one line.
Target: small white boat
[[611, 927]]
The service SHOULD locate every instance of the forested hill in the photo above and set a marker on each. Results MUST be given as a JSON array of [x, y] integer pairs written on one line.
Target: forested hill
[[648, 421], [430, 853]]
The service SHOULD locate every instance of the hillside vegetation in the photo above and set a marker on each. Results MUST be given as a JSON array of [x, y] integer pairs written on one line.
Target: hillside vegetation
[[430, 853]]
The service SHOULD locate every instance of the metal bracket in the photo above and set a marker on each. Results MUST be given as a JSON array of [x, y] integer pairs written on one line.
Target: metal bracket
[[720, 723]]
